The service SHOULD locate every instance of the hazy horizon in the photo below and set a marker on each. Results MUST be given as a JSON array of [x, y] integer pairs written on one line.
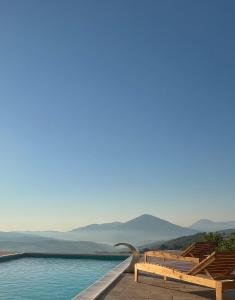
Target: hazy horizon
[[112, 109], [104, 221]]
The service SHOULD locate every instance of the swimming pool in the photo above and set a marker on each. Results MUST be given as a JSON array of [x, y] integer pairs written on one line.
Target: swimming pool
[[51, 278]]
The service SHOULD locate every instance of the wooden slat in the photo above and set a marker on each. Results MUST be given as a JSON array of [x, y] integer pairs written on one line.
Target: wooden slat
[[228, 284], [167, 255], [195, 252], [202, 265], [173, 273], [216, 264], [199, 249], [187, 250]]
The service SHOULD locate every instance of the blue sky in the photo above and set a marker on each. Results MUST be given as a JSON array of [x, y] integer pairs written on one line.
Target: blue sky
[[111, 109]]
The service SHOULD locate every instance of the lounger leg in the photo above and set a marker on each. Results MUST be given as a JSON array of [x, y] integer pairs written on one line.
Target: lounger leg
[[165, 278], [145, 257], [219, 291], [136, 274]]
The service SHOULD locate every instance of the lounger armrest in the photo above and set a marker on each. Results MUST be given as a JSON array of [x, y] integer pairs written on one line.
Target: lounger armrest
[[168, 255]]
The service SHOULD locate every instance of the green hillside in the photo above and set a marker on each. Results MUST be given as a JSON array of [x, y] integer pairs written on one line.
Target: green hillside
[[225, 239]]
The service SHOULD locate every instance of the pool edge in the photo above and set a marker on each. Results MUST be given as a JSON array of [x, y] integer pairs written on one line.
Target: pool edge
[[98, 287], [11, 256]]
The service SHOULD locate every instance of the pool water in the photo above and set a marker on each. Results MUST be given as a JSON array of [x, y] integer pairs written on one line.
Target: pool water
[[50, 278]]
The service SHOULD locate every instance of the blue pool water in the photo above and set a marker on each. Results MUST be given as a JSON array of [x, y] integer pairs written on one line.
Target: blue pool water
[[50, 278]]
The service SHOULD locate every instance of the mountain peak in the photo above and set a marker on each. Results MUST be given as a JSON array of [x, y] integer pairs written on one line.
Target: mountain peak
[[151, 223], [143, 228], [144, 217], [203, 221]]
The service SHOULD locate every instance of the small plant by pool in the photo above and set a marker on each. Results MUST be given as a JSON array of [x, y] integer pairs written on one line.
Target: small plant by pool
[[51, 278]]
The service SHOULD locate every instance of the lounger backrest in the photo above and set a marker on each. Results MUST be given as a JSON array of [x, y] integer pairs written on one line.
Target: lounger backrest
[[217, 265], [200, 250]]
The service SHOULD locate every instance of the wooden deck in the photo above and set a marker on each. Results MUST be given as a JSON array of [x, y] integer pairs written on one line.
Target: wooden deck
[[153, 288]]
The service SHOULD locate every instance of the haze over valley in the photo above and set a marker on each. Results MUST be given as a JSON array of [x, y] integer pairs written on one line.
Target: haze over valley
[[142, 230]]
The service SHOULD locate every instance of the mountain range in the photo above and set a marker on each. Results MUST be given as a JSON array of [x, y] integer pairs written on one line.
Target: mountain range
[[143, 229], [25, 242]]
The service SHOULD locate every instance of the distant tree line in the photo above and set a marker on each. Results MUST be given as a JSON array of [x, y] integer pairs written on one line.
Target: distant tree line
[[226, 242]]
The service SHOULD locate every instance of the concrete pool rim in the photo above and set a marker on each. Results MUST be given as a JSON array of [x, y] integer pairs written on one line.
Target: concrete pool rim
[[100, 286], [100, 256]]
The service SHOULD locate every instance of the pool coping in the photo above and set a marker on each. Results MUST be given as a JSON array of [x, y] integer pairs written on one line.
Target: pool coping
[[97, 288], [11, 256], [15, 255]]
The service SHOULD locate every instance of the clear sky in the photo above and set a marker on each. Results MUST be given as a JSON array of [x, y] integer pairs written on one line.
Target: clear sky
[[110, 109]]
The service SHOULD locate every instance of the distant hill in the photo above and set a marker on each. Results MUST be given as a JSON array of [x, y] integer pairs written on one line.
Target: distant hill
[[13, 241], [208, 225], [174, 244], [181, 242], [140, 230]]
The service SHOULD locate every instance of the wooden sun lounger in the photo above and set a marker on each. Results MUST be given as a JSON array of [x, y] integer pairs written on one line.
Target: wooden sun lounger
[[194, 253], [215, 271]]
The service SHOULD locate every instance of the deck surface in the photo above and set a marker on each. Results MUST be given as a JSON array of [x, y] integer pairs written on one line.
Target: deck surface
[[152, 288]]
